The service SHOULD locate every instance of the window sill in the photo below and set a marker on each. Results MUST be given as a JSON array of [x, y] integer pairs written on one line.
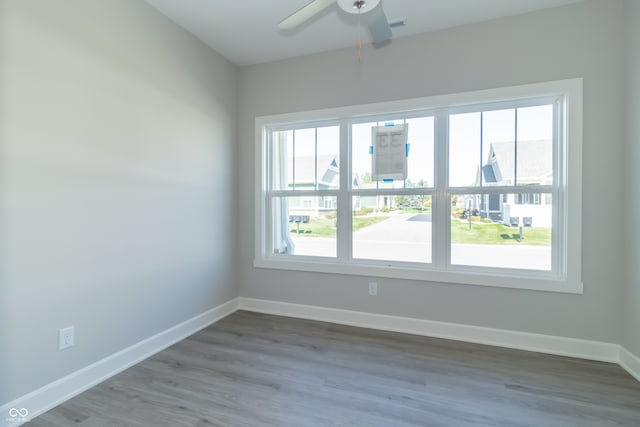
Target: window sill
[[515, 280]]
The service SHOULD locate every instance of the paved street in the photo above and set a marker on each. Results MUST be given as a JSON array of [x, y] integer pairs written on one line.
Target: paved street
[[407, 237], [395, 239]]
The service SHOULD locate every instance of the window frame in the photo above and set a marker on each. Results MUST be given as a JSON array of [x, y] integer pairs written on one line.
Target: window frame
[[566, 191]]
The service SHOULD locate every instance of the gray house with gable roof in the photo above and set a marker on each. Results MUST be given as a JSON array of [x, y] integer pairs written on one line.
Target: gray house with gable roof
[[521, 164]]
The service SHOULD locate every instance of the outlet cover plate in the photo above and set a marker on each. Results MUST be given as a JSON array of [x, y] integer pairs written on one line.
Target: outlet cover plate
[[373, 288], [66, 337]]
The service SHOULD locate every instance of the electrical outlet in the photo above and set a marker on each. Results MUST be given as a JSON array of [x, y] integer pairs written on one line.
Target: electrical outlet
[[66, 337], [373, 288]]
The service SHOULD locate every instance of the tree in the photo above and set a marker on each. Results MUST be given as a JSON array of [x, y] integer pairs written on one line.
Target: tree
[[425, 201]]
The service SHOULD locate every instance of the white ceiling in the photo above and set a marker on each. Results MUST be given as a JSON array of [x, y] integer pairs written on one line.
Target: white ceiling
[[245, 31]]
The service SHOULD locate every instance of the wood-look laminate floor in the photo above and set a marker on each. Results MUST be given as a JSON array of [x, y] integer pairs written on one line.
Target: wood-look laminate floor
[[259, 370]]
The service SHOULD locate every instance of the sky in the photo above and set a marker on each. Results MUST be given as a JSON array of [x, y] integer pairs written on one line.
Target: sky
[[472, 132]]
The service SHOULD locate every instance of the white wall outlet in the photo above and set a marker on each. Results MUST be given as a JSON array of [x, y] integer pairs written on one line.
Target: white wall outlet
[[373, 288], [66, 337]]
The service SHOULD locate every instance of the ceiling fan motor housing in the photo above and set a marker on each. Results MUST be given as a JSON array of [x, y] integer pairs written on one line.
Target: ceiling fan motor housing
[[362, 6]]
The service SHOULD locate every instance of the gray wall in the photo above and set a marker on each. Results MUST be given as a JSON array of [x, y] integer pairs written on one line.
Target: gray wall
[[632, 190], [116, 158], [583, 40]]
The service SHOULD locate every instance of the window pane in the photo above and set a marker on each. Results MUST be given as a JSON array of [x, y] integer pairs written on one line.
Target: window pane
[[392, 228], [304, 226], [361, 156], [304, 160], [464, 149], [535, 145], [420, 159], [328, 171], [498, 147], [502, 230]]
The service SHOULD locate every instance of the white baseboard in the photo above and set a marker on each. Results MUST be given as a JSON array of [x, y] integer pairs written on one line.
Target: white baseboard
[[45, 398], [50, 395], [562, 346], [630, 362]]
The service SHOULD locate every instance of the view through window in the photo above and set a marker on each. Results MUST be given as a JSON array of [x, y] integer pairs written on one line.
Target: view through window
[[480, 189]]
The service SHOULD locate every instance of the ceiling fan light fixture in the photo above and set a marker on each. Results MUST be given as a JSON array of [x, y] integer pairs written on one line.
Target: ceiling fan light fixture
[[351, 6]]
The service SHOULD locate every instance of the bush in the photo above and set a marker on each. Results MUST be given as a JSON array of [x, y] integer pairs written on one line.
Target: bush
[[363, 211]]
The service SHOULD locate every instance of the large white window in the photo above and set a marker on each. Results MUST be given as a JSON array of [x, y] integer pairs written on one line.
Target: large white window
[[478, 188]]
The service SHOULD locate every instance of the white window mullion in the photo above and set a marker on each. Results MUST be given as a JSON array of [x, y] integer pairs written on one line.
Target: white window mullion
[[559, 236], [268, 227], [267, 212], [440, 212], [344, 234]]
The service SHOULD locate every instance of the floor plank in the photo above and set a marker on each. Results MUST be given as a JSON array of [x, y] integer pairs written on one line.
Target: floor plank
[[259, 370]]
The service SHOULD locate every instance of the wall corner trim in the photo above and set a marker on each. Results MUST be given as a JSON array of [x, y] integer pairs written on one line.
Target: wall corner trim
[[41, 400], [630, 362]]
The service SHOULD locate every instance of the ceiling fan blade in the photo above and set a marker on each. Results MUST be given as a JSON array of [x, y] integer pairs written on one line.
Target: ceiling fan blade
[[304, 14], [378, 25]]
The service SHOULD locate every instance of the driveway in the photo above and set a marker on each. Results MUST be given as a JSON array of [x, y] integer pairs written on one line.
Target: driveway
[[407, 238]]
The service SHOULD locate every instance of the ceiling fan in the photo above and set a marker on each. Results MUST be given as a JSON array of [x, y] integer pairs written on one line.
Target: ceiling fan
[[370, 10]]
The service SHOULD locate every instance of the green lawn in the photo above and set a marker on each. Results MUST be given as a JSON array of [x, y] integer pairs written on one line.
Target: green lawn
[[323, 227], [498, 234], [487, 234]]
